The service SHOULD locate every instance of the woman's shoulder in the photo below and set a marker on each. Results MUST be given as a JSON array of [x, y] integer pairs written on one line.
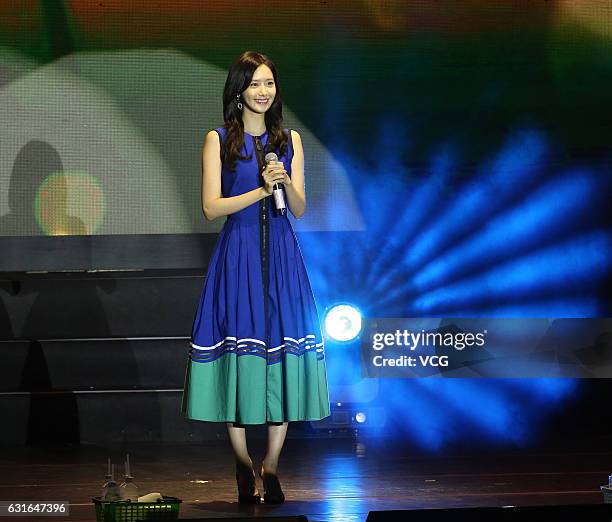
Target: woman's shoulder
[[216, 131], [219, 131], [214, 136], [293, 135]]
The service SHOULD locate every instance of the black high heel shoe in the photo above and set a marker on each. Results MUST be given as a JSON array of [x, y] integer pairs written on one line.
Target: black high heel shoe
[[247, 491], [273, 494]]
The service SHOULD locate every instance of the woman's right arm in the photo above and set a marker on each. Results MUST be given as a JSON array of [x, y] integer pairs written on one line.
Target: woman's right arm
[[213, 204]]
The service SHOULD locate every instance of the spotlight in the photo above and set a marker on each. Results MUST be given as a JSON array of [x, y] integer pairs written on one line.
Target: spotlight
[[351, 419], [343, 322]]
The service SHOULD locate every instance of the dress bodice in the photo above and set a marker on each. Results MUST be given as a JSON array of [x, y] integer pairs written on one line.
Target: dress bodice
[[247, 175]]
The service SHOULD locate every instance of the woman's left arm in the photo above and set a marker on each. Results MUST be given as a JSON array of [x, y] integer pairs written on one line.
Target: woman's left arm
[[296, 195]]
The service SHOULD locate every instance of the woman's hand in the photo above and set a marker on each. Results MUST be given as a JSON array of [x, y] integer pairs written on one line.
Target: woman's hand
[[275, 173]]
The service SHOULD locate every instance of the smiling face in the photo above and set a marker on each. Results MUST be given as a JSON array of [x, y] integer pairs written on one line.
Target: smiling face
[[260, 93]]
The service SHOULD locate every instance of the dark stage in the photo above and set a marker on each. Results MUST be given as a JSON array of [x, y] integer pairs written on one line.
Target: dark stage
[[325, 480]]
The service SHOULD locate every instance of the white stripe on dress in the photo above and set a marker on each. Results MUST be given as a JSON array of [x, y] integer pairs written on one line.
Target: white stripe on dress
[[239, 341]]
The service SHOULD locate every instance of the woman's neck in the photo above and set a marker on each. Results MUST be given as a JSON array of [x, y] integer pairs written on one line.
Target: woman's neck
[[254, 124]]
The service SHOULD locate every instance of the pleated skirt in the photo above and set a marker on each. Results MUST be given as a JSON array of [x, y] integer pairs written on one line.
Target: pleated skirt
[[256, 354]]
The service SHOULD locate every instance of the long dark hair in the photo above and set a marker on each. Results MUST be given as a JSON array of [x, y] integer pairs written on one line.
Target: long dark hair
[[238, 79]]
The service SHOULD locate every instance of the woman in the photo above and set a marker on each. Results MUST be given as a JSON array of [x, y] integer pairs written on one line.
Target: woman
[[257, 354]]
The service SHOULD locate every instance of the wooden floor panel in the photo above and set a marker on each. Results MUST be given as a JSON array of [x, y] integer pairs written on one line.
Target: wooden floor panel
[[326, 480]]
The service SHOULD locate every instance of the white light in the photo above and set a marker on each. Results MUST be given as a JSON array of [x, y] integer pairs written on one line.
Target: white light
[[343, 322], [360, 417]]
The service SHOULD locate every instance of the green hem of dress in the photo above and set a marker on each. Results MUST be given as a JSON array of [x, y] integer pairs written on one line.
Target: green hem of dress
[[246, 390]]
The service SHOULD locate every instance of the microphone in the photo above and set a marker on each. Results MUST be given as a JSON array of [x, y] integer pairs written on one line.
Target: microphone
[[279, 198]]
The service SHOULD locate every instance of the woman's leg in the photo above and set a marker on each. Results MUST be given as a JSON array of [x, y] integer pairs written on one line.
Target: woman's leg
[[245, 474], [237, 436], [276, 438]]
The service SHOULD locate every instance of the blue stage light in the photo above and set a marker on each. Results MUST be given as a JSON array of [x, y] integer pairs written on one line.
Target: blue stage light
[[343, 322], [518, 233], [360, 417]]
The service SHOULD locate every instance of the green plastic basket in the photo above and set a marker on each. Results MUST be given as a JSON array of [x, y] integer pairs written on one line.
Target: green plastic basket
[[166, 508], [607, 493]]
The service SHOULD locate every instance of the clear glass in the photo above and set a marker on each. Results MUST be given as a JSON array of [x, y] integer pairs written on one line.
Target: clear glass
[[128, 489]]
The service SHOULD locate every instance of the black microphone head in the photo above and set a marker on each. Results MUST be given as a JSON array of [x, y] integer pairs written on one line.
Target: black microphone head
[[271, 156]]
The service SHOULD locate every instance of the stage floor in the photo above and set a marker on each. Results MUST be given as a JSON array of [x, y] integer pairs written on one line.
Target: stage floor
[[326, 480]]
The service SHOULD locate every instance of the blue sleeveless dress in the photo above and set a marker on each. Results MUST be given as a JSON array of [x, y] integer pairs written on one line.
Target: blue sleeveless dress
[[256, 351]]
